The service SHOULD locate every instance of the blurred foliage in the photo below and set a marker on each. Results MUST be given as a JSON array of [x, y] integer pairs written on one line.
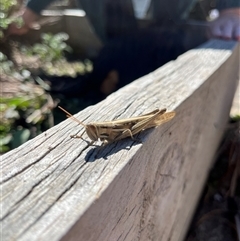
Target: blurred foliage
[[64, 68], [6, 65], [6, 17], [15, 125], [51, 53], [51, 48], [28, 111]]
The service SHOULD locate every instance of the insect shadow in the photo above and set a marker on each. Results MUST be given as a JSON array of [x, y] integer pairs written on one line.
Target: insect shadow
[[98, 152]]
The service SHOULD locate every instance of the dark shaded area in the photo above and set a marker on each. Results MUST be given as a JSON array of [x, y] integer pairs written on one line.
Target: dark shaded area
[[138, 54], [218, 210], [131, 56]]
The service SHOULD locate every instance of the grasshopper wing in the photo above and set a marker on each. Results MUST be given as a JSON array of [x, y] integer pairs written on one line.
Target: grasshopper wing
[[160, 119]]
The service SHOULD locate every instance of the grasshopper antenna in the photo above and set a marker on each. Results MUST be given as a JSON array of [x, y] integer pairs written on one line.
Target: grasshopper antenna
[[71, 116]]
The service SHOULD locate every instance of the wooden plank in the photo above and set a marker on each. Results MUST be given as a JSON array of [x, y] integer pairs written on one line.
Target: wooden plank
[[55, 188]]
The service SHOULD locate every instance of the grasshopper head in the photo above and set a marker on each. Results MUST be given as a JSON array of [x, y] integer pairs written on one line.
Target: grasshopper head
[[92, 132]]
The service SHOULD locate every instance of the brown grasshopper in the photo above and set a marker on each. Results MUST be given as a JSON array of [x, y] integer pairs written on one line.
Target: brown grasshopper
[[110, 131]]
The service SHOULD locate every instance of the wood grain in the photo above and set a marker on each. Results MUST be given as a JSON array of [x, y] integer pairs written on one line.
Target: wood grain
[[56, 188]]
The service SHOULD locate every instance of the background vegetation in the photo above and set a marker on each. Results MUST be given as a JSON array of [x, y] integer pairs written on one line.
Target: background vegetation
[[26, 100]]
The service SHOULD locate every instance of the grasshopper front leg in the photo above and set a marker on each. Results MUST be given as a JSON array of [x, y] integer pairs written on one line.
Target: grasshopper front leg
[[78, 136]]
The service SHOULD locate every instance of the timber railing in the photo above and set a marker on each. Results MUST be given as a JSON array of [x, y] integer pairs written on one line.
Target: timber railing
[[56, 188]]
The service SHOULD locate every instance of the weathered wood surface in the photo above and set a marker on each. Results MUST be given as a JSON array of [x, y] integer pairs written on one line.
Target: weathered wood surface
[[54, 188]]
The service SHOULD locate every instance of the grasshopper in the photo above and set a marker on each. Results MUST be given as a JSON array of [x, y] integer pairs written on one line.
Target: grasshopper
[[111, 131]]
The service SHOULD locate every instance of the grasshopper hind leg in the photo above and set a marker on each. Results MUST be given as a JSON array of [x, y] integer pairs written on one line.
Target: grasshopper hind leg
[[129, 133]]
